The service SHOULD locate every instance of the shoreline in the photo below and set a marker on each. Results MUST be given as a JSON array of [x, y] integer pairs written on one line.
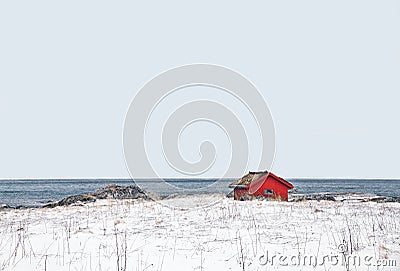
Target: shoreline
[[38, 193], [312, 197]]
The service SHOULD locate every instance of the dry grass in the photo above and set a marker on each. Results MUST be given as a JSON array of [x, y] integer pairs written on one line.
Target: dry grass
[[143, 235]]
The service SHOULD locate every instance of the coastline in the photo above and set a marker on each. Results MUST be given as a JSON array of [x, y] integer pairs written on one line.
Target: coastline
[[81, 199], [36, 193]]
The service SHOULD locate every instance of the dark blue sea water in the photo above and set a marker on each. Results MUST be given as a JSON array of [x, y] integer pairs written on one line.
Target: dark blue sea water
[[38, 192]]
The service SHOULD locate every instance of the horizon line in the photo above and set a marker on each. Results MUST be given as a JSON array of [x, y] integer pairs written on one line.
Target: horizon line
[[141, 178]]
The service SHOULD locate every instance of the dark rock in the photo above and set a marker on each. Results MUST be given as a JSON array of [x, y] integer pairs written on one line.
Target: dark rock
[[385, 199], [109, 192], [328, 197], [246, 197], [120, 192], [317, 197], [344, 197], [4, 206]]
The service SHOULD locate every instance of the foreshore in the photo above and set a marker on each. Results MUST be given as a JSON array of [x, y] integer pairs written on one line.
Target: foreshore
[[202, 232]]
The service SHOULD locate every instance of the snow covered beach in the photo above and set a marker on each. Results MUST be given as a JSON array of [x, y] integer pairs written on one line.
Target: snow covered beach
[[202, 232]]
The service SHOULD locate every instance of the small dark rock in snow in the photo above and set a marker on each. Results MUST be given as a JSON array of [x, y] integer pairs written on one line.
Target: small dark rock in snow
[[4, 206]]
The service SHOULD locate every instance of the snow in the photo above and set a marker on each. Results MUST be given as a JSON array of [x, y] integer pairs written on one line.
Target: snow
[[202, 232]]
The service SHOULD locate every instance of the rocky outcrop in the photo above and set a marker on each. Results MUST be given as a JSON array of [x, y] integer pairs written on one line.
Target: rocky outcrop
[[109, 192], [341, 197], [120, 192], [317, 197]]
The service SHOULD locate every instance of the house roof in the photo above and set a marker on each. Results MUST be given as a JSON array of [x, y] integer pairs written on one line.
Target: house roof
[[254, 176], [281, 180], [248, 179]]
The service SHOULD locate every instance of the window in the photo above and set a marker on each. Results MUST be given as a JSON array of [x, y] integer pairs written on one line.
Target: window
[[268, 192]]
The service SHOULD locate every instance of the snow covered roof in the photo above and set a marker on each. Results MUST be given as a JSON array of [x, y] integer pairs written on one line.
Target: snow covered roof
[[254, 176], [248, 178]]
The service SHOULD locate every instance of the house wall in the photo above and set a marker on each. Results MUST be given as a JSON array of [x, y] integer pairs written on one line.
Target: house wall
[[238, 192], [269, 183]]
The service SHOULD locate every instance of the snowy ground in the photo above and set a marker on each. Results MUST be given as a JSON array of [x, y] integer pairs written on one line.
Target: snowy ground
[[228, 235]]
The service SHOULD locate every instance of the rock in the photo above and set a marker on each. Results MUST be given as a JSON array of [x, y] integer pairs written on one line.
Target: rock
[[385, 199], [71, 200], [230, 194], [109, 192], [342, 197], [328, 197], [120, 192], [4, 206], [317, 197], [246, 197]]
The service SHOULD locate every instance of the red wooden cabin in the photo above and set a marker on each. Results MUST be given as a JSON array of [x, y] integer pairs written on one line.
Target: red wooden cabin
[[261, 183]]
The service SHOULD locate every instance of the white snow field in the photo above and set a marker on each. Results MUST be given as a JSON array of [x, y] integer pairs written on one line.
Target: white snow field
[[219, 234]]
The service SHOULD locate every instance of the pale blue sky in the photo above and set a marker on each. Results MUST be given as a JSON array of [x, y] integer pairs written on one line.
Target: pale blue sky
[[329, 71]]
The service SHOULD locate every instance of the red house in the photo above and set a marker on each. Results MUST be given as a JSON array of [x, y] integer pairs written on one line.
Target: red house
[[261, 183]]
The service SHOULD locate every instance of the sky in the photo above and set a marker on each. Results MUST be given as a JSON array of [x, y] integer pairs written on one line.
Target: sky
[[328, 70]]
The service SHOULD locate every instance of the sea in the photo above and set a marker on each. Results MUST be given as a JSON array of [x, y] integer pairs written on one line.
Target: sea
[[38, 192]]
